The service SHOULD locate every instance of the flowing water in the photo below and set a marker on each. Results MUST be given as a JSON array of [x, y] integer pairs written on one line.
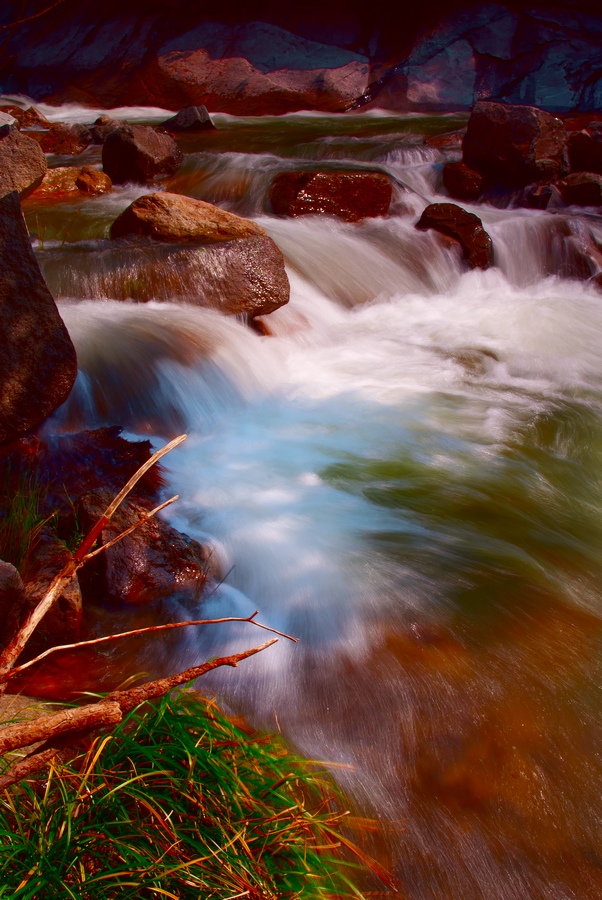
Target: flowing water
[[406, 474]]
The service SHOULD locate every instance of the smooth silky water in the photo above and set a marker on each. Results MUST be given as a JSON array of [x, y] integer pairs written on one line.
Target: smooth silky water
[[406, 475]]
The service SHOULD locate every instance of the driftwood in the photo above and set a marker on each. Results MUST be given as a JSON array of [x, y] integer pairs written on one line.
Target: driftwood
[[77, 722]]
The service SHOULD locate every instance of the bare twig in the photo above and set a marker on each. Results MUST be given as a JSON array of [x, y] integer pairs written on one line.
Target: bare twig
[[18, 670], [134, 696], [143, 518], [65, 576]]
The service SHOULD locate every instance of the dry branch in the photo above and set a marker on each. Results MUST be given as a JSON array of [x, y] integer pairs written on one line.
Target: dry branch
[[48, 727], [18, 670], [26, 767]]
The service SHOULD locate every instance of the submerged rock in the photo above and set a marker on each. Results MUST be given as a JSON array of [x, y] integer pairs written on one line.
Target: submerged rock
[[38, 359], [465, 228], [515, 145], [351, 196], [173, 217], [22, 164], [139, 153], [193, 118], [73, 180]]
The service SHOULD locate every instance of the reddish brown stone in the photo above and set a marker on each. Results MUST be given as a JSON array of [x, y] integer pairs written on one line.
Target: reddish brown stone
[[515, 145], [27, 118], [22, 164], [351, 196], [463, 183], [581, 189], [73, 180], [70, 140], [138, 153], [465, 228], [585, 149]]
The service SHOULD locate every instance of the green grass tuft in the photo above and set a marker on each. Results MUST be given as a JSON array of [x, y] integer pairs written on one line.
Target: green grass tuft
[[177, 802], [21, 499]]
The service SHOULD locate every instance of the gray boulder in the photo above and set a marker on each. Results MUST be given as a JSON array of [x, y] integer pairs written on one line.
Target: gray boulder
[[39, 364]]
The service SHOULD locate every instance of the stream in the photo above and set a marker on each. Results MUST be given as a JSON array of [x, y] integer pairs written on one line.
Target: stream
[[405, 474]]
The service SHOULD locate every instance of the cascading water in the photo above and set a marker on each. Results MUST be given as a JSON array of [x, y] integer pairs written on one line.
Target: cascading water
[[404, 475]]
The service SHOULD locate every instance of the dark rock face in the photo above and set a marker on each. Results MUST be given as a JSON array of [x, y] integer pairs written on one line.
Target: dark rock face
[[581, 189], [515, 145], [68, 139], [193, 118], [462, 182], [465, 228], [38, 359], [139, 153], [153, 562], [351, 196], [22, 164], [12, 599], [585, 150]]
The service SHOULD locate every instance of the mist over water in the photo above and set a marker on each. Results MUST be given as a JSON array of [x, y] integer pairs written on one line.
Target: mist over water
[[404, 475]]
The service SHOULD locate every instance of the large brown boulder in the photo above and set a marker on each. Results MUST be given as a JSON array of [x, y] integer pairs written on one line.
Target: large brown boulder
[[139, 153], [173, 217], [38, 359], [27, 118], [515, 145], [22, 164], [351, 196], [73, 181], [465, 228]]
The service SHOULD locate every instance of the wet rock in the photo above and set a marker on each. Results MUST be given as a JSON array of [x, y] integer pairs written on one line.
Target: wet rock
[[173, 217], [70, 140], [38, 359], [22, 164], [27, 118], [63, 621], [193, 118], [152, 563], [585, 149], [581, 189], [102, 128], [73, 180], [515, 145], [537, 196], [351, 196], [138, 153], [8, 124], [465, 228], [463, 183], [12, 598]]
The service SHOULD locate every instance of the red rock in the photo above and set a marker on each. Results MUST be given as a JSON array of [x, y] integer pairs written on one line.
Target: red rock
[[172, 217], [22, 164], [72, 180], [581, 189], [585, 149], [27, 118], [138, 153], [38, 359], [514, 145], [351, 196], [465, 228], [152, 563], [70, 140], [462, 182]]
